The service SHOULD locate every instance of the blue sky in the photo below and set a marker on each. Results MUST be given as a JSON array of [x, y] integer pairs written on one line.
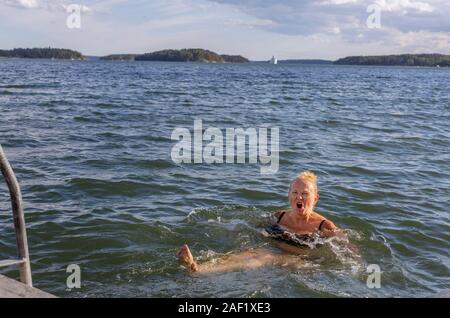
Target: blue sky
[[256, 29]]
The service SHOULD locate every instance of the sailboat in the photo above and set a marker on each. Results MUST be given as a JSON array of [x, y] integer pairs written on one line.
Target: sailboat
[[273, 60]]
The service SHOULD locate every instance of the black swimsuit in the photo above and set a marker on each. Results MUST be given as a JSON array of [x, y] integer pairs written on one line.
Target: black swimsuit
[[277, 232]]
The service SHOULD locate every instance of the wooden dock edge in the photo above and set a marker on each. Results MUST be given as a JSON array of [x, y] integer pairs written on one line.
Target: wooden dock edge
[[10, 288]]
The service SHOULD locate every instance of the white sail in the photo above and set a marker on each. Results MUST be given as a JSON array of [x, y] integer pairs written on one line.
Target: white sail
[[273, 60]]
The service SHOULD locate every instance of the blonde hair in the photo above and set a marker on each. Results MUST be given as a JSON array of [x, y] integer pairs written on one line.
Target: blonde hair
[[306, 176]]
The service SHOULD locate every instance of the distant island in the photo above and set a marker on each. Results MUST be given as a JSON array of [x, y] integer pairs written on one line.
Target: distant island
[[119, 57], [234, 59], [184, 55], [305, 61], [397, 60], [206, 56], [42, 53]]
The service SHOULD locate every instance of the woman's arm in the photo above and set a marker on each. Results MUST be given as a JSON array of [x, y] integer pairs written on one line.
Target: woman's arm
[[331, 230]]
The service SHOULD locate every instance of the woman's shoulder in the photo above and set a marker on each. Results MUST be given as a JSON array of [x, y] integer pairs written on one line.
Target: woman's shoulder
[[280, 213], [327, 225], [324, 223]]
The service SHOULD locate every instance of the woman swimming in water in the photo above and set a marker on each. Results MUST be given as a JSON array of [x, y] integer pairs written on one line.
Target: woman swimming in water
[[297, 226]]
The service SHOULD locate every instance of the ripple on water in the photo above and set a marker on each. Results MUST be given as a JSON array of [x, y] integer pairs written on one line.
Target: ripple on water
[[107, 188]]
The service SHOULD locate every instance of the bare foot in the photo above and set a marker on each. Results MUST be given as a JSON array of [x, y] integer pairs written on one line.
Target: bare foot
[[185, 257]]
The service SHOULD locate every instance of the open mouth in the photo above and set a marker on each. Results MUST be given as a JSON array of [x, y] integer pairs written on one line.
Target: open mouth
[[299, 205]]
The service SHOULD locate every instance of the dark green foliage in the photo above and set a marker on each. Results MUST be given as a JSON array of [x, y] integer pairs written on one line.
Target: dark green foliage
[[42, 53], [402, 60], [119, 57], [234, 59], [184, 55]]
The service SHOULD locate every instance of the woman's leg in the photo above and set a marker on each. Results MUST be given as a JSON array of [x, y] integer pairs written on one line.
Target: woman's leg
[[250, 259]]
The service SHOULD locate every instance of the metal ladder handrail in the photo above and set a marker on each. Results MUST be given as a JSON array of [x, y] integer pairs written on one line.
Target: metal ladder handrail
[[19, 222]]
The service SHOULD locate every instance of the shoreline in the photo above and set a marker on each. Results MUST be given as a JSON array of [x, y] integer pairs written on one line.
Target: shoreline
[[3, 58]]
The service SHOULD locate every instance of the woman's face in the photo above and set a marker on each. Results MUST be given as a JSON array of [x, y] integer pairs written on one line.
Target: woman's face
[[303, 196]]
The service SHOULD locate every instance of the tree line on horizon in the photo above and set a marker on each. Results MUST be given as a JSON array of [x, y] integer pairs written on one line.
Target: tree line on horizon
[[42, 53], [184, 55], [202, 55], [397, 60]]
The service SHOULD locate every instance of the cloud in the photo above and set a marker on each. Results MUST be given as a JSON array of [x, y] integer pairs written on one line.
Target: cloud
[[388, 5], [78, 7], [28, 3], [251, 23], [402, 20], [338, 2], [403, 5], [255, 28], [336, 30], [46, 5], [25, 4], [311, 16]]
